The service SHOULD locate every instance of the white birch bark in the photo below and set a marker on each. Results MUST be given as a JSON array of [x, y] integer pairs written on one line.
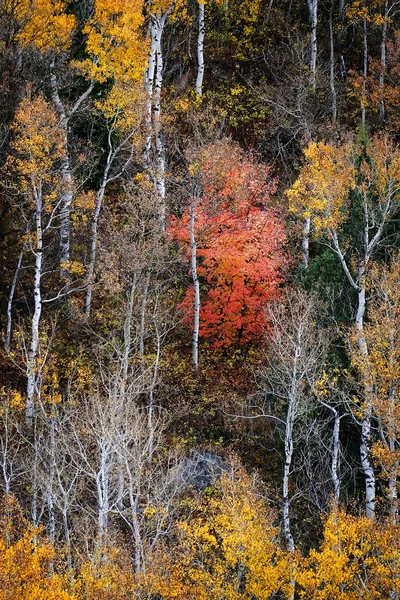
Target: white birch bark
[[365, 72], [66, 176], [383, 63], [313, 10], [149, 85], [332, 66], [95, 224], [200, 49], [67, 191], [196, 285], [7, 342], [159, 162], [305, 242], [142, 324], [32, 366], [286, 474]]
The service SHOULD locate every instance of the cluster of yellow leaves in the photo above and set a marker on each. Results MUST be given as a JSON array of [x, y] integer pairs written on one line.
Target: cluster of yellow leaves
[[228, 549], [114, 42], [358, 559], [118, 52], [25, 561], [360, 9], [41, 23], [330, 173], [323, 185], [36, 147]]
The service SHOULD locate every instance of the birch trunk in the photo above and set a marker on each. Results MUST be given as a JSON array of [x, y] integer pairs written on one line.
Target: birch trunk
[[286, 476], [365, 445], [66, 176], [149, 84], [305, 243], [7, 343], [95, 224], [142, 324], [200, 49], [335, 456], [383, 64], [196, 286], [67, 193], [32, 366], [332, 66], [365, 72], [313, 10], [159, 163]]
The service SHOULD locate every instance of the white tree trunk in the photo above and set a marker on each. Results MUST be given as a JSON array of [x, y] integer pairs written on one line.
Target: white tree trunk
[[365, 445], [305, 243], [37, 311], [286, 476], [95, 224], [159, 163], [365, 72], [149, 84], [200, 49], [335, 456], [7, 342], [313, 10], [66, 176], [332, 66], [383, 63], [196, 285]]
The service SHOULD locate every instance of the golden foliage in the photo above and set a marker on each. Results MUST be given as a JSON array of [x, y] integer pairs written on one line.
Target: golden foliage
[[25, 561], [228, 549], [323, 185], [41, 23], [358, 559]]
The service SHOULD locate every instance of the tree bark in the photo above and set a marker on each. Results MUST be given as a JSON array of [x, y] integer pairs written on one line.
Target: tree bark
[[332, 66], [313, 10], [196, 285], [365, 72], [305, 243], [7, 343], [37, 311], [200, 49], [383, 63]]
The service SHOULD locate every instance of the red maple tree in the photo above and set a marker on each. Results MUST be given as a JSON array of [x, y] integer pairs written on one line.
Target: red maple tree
[[240, 242]]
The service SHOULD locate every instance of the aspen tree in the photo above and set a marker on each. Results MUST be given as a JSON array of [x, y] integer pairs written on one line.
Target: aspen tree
[[331, 180], [37, 149]]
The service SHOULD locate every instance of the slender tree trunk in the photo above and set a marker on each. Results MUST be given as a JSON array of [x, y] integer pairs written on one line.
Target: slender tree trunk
[[365, 73], [159, 162], [336, 456], [200, 49], [127, 335], [332, 66], [196, 285], [37, 311], [95, 224], [149, 84], [7, 343], [103, 484], [366, 433], [313, 10], [142, 324], [383, 64], [67, 536], [305, 243], [66, 176], [286, 477]]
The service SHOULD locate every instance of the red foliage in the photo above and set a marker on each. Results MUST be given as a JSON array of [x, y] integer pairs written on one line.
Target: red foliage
[[240, 248]]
